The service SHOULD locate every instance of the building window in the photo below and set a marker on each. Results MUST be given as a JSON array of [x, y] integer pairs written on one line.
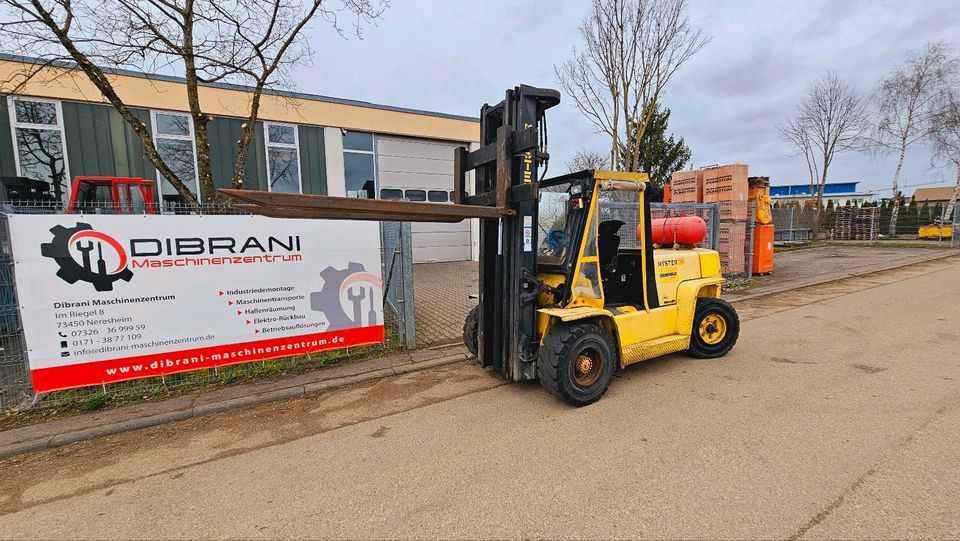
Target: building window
[[392, 194], [416, 195], [437, 196], [359, 164], [41, 155], [283, 157], [173, 136]]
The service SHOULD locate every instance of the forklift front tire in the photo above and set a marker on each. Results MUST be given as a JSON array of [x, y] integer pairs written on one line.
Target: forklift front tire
[[716, 327], [471, 330], [576, 362]]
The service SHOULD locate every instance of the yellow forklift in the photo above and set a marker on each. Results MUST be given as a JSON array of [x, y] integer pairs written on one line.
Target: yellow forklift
[[568, 295]]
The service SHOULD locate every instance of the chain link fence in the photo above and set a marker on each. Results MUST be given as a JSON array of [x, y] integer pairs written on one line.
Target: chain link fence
[[396, 244], [792, 225], [955, 232], [16, 391]]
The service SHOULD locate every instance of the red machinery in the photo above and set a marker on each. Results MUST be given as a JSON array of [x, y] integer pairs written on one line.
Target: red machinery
[[113, 195], [688, 230]]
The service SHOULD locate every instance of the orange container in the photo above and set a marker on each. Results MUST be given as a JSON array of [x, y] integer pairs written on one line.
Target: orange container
[[763, 249]]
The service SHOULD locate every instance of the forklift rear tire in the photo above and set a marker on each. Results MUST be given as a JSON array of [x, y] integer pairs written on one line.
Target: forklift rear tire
[[471, 330], [716, 327], [576, 362]]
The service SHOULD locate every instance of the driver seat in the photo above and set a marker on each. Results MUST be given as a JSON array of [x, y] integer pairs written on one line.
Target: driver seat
[[608, 243]]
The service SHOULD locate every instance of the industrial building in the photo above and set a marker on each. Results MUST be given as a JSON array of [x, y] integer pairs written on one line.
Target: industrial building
[[932, 196], [841, 193], [59, 126]]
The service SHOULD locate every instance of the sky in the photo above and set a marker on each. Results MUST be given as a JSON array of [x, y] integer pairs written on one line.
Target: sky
[[452, 56]]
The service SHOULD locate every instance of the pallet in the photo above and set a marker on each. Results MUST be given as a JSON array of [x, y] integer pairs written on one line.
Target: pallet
[[854, 223]]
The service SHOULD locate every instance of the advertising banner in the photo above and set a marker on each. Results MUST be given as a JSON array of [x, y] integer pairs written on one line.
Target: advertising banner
[[111, 298]]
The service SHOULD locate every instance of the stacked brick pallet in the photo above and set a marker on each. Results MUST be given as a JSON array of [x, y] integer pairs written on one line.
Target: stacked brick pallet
[[727, 186], [686, 187], [857, 223]]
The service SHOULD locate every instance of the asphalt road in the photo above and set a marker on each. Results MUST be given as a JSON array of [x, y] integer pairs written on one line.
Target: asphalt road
[[836, 416]]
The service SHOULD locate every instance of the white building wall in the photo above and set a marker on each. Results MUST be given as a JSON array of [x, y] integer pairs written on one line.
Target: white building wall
[[419, 164]]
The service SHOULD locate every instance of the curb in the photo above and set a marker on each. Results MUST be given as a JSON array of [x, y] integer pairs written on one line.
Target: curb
[[295, 391], [835, 278]]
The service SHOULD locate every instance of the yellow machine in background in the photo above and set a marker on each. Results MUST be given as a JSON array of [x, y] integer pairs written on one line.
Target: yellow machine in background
[[935, 232]]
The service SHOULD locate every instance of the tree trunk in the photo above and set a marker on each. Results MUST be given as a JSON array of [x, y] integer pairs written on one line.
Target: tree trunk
[[243, 145], [892, 231], [818, 205], [615, 145], [204, 170], [641, 128]]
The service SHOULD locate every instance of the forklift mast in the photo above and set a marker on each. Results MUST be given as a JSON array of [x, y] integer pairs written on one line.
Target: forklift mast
[[513, 136]]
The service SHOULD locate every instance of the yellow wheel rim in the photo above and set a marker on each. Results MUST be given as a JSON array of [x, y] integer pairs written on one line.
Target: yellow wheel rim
[[712, 329], [587, 367]]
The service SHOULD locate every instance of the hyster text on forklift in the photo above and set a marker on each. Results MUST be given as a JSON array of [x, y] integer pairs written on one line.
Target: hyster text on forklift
[[567, 294]]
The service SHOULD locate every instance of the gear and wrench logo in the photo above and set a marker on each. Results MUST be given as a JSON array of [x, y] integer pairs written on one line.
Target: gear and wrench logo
[[354, 287], [94, 249]]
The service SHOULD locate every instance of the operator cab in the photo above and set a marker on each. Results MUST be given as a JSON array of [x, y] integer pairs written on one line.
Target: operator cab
[[599, 234]]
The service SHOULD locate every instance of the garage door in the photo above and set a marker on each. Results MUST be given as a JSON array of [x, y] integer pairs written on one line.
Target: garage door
[[423, 171]]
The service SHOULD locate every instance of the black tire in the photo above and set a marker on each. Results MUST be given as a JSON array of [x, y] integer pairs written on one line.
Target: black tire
[[558, 358], [471, 330], [705, 344]]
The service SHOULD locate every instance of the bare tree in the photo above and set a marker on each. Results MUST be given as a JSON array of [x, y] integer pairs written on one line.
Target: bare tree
[[830, 119], [250, 42], [905, 102], [945, 136], [631, 50], [587, 159]]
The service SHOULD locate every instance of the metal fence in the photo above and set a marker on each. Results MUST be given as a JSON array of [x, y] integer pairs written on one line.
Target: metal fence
[[954, 241], [792, 225], [396, 244], [16, 391]]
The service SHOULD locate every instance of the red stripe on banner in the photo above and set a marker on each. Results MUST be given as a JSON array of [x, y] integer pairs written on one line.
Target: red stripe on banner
[[143, 366]]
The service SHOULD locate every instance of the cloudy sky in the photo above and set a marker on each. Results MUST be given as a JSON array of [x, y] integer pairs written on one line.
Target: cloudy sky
[[452, 56]]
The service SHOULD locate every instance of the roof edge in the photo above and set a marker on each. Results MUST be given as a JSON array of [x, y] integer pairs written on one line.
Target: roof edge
[[241, 88]]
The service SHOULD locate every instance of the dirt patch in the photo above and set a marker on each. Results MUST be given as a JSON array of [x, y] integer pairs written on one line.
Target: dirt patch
[[785, 360], [868, 369]]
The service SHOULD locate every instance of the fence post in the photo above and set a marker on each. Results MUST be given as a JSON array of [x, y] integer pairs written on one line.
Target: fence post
[[408, 306], [953, 229], [715, 227]]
